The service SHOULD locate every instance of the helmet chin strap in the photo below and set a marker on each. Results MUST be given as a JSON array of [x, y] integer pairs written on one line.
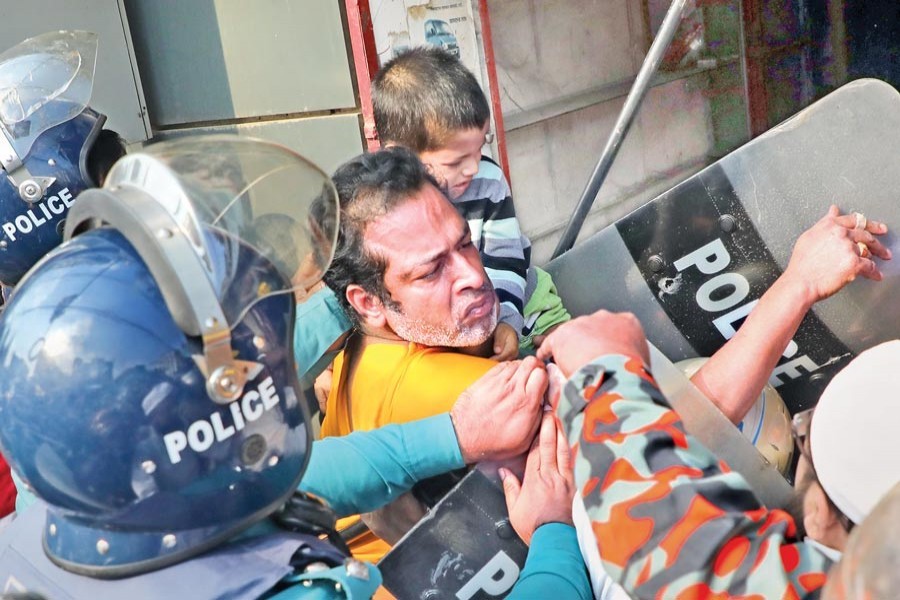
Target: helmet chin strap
[[169, 242], [31, 188]]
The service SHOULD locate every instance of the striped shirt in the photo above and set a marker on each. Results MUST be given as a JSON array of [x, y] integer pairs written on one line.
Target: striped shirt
[[488, 207]]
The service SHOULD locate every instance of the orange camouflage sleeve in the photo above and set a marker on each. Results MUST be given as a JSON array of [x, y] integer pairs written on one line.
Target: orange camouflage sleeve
[[669, 518]]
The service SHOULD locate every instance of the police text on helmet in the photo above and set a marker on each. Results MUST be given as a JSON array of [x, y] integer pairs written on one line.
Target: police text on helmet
[[203, 433], [38, 215]]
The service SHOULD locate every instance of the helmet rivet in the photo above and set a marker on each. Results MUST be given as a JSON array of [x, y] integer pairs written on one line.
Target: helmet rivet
[[273, 461], [338, 587], [164, 233], [52, 529], [149, 467], [30, 191], [51, 162], [169, 541], [357, 569], [315, 567], [259, 341], [211, 322], [225, 383], [307, 583], [102, 546]]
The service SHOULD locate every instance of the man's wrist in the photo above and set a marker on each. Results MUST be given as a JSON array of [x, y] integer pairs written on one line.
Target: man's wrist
[[468, 450], [793, 289]]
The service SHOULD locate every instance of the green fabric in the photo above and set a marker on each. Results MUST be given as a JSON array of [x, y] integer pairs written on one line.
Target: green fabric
[[544, 308]]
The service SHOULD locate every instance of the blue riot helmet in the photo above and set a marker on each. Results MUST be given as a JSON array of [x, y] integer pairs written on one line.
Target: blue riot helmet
[[149, 395], [47, 143]]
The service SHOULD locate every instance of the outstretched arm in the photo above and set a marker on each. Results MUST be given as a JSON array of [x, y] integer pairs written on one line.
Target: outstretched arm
[[825, 259]]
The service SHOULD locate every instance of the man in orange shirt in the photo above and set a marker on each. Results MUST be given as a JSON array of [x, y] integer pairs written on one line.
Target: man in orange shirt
[[400, 233]]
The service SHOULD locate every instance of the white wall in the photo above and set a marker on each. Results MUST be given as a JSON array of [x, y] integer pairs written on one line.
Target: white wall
[[564, 67]]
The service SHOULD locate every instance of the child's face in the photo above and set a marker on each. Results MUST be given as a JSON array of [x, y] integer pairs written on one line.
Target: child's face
[[456, 163]]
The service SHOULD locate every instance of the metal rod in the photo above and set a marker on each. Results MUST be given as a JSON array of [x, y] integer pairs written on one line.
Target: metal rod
[[623, 123]]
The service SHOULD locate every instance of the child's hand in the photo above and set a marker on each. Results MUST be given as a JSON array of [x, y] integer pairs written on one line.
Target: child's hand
[[539, 339], [506, 343]]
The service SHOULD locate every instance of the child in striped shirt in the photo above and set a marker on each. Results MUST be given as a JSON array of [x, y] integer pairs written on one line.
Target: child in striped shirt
[[426, 100]]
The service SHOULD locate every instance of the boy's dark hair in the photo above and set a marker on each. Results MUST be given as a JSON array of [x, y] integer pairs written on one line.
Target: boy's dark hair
[[369, 186], [424, 96], [106, 150]]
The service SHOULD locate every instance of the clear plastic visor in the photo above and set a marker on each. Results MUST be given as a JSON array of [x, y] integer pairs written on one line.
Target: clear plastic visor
[[44, 81], [261, 219]]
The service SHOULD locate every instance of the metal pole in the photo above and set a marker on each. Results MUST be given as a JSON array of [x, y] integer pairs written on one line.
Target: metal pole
[[623, 123]]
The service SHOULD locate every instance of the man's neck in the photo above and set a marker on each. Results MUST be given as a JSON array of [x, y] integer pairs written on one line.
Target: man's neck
[[485, 349], [370, 336]]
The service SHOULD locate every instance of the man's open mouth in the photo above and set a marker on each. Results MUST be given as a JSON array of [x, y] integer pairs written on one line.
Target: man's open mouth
[[480, 308]]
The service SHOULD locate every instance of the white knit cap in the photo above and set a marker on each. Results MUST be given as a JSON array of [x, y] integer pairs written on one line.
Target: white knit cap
[[853, 439]]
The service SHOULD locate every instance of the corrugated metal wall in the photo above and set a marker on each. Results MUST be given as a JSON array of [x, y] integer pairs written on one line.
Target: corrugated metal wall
[[274, 69]]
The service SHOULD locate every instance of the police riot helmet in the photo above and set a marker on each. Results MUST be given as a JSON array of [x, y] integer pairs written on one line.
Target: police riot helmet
[[150, 396], [48, 141], [767, 425]]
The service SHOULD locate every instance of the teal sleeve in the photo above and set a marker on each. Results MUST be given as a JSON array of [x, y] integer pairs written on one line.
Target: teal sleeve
[[554, 567], [319, 323], [365, 470], [330, 584], [24, 498]]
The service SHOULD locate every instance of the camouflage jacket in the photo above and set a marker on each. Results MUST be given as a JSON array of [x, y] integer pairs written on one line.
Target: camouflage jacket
[[670, 519]]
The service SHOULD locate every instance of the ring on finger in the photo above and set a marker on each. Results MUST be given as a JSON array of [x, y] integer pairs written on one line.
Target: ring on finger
[[862, 249], [861, 220]]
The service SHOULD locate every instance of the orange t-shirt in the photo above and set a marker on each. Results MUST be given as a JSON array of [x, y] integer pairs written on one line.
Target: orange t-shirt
[[395, 383]]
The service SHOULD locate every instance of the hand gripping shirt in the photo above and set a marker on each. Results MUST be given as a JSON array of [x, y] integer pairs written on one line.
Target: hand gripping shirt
[[670, 520]]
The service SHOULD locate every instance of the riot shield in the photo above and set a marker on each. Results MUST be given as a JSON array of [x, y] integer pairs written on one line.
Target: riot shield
[[692, 263], [749, 207], [463, 548]]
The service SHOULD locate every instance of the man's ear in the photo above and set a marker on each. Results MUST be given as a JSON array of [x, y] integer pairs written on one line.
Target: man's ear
[[368, 306], [822, 523]]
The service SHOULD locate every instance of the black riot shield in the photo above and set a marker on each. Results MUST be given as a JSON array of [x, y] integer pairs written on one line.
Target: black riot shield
[[692, 263], [464, 548]]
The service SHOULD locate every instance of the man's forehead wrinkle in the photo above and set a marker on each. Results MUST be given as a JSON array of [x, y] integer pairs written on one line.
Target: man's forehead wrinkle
[[394, 234]]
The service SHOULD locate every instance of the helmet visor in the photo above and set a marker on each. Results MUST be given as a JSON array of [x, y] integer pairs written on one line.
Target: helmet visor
[[261, 219], [44, 81]]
